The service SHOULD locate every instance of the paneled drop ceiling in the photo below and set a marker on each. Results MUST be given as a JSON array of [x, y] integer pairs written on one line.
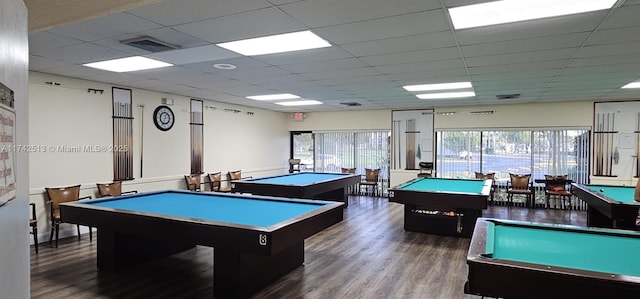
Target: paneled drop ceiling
[[378, 46]]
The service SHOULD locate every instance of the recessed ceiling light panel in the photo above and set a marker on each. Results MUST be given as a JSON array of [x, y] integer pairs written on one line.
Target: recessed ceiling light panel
[[287, 42], [300, 103], [508, 11], [446, 95], [632, 85], [438, 86], [129, 64], [271, 97]]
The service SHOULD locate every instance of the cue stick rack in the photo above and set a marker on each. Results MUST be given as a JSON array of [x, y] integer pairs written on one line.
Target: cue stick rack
[[604, 136], [637, 155], [411, 135]]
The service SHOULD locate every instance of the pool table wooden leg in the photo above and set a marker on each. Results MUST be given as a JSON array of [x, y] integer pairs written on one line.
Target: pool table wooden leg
[[238, 275]]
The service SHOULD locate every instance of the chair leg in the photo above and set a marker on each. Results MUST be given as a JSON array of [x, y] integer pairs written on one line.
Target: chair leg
[[53, 225], [35, 238], [78, 229], [90, 234], [57, 233]]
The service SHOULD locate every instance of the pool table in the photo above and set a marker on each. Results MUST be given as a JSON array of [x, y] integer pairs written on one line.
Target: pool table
[[613, 207], [312, 185], [257, 239], [512, 259], [442, 206]]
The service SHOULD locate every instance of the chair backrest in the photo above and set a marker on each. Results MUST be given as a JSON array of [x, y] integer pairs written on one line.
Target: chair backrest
[[371, 175], [347, 170], [294, 165], [520, 181], [61, 195], [109, 189], [215, 180], [486, 176], [555, 182], [193, 182], [235, 175]]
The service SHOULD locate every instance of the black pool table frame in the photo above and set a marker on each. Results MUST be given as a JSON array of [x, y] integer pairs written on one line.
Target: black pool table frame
[[606, 212], [334, 190], [246, 258], [426, 211], [510, 279]]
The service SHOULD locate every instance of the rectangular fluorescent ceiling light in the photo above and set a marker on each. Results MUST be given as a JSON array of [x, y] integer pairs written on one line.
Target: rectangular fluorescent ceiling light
[[128, 64], [439, 86], [508, 11], [632, 85], [300, 103], [271, 97], [279, 43], [446, 95]]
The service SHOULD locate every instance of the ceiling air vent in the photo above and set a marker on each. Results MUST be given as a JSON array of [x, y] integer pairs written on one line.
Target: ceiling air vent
[[149, 44], [351, 104], [512, 96]]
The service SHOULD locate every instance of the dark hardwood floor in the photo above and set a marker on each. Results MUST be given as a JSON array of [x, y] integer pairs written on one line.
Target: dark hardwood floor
[[368, 255]]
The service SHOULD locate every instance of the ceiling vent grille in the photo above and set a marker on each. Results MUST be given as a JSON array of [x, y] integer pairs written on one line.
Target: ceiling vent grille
[[512, 96], [149, 44], [351, 104]]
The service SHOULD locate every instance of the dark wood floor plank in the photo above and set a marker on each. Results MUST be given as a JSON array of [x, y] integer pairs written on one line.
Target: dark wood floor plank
[[368, 255]]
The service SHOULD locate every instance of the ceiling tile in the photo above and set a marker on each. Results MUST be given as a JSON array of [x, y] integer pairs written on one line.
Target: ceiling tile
[[316, 14], [242, 26], [404, 25], [102, 27], [175, 12]]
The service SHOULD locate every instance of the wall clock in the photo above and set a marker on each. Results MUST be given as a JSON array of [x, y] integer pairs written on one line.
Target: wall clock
[[163, 118]]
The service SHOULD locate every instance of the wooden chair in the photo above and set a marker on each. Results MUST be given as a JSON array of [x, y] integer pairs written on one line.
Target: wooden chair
[[237, 175], [520, 184], [426, 169], [56, 197], [294, 165], [33, 223], [488, 176], [215, 182], [557, 186], [370, 180], [112, 189], [350, 171], [193, 181]]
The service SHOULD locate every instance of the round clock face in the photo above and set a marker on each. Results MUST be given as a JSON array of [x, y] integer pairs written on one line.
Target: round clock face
[[163, 118]]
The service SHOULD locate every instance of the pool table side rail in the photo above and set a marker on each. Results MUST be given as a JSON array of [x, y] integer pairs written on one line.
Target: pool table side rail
[[587, 194], [293, 190], [204, 232], [441, 199], [508, 279], [609, 207]]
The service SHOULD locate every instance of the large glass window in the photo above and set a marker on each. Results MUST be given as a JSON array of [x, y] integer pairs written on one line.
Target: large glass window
[[332, 151], [539, 152]]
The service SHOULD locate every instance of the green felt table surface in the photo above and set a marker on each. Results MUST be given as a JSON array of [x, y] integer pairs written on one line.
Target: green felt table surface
[[619, 193], [445, 185], [576, 248]]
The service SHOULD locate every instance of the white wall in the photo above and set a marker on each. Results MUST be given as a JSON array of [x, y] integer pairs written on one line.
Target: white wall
[[14, 235], [66, 116]]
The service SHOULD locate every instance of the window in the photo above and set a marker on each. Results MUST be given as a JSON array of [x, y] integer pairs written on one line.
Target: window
[[197, 136], [122, 134], [539, 152], [334, 150]]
